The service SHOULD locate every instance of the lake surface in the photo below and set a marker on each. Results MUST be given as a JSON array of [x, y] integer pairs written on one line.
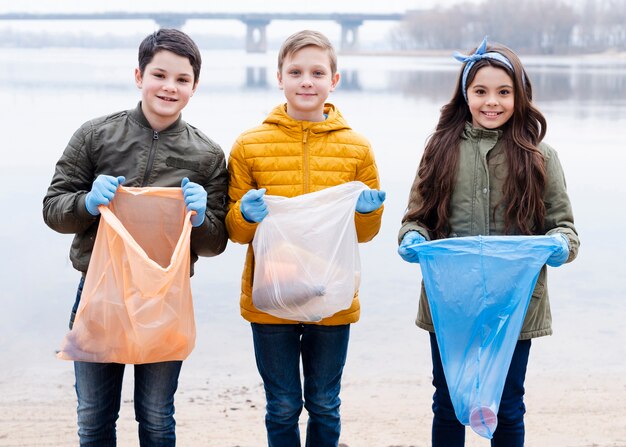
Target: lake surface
[[394, 101]]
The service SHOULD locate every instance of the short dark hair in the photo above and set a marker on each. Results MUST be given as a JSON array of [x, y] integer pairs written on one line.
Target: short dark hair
[[171, 40]]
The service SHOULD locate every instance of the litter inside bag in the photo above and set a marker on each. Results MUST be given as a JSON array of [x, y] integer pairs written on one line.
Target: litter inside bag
[[478, 290], [136, 306], [306, 254]]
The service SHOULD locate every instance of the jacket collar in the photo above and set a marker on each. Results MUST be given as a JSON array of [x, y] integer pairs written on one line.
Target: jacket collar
[[137, 115], [476, 133], [280, 118]]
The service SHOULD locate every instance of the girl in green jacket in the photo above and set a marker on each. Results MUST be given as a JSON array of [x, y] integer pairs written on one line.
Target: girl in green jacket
[[485, 171]]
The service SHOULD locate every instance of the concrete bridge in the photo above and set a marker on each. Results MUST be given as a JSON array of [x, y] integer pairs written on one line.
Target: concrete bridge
[[256, 23]]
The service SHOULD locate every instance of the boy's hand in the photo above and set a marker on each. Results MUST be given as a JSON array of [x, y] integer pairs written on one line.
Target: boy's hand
[[370, 200], [102, 192], [405, 250], [561, 254], [253, 207], [195, 199]]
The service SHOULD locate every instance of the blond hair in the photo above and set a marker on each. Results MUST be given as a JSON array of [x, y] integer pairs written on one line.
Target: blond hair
[[306, 38]]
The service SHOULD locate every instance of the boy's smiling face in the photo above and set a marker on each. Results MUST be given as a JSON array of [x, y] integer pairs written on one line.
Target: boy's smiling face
[[166, 86], [307, 79]]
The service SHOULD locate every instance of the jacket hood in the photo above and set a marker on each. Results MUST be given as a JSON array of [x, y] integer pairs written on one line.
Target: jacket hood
[[280, 118]]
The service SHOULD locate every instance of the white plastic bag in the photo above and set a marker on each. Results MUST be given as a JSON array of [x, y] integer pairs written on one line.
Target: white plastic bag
[[307, 264]]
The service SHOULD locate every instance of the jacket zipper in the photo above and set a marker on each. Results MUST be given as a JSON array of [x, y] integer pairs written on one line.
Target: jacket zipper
[[305, 159], [476, 145], [155, 139], [480, 163]]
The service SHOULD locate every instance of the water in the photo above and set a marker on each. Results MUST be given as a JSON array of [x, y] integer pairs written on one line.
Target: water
[[47, 94]]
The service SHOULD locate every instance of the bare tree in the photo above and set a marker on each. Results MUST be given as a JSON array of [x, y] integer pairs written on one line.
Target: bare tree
[[537, 26]]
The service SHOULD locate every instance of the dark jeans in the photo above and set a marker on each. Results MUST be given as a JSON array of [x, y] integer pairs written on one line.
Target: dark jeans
[[99, 388], [449, 432], [278, 348]]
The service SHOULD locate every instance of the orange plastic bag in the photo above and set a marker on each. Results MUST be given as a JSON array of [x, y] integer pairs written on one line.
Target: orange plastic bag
[[136, 305]]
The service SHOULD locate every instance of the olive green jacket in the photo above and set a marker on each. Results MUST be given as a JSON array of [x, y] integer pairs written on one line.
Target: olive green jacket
[[479, 187]]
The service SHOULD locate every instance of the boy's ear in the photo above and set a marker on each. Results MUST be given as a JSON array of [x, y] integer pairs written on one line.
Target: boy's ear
[[335, 82], [280, 80], [138, 77], [195, 86]]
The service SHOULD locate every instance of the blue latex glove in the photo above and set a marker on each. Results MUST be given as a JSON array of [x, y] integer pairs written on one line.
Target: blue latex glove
[[102, 192], [253, 207], [370, 200], [561, 254], [195, 199], [405, 251]]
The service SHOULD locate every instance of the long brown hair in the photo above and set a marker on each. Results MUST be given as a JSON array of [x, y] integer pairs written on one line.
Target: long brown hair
[[524, 209]]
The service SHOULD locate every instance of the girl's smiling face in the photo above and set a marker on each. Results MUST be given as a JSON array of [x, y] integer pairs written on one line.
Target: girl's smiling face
[[491, 98]]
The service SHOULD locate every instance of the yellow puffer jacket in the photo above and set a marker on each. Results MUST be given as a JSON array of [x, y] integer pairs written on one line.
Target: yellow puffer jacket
[[290, 158]]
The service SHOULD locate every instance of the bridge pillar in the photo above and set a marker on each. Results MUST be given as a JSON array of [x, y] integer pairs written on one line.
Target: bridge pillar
[[256, 35], [256, 77], [350, 80], [350, 34]]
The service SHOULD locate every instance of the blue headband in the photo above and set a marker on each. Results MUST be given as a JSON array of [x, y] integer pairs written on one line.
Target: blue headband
[[478, 55]]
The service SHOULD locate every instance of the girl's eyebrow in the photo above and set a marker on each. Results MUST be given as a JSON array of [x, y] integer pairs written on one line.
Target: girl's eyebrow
[[484, 87]]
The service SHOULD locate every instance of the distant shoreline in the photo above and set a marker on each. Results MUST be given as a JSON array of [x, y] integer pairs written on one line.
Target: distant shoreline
[[619, 55]]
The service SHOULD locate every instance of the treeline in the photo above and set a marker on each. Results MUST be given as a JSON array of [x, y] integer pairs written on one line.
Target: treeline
[[530, 26]]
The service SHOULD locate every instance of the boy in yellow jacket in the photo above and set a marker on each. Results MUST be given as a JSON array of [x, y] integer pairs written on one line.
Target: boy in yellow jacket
[[303, 146]]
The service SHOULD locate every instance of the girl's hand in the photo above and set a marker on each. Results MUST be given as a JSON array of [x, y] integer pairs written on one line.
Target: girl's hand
[[406, 248], [561, 254]]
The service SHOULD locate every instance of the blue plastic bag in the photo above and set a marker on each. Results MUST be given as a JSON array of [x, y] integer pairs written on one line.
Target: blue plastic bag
[[478, 290]]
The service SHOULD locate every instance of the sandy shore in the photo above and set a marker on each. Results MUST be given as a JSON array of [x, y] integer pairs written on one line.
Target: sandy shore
[[564, 410]]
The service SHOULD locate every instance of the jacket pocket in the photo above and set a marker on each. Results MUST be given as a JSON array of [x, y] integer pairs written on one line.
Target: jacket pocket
[[202, 164], [540, 287]]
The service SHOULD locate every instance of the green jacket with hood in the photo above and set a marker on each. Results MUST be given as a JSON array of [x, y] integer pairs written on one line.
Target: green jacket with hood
[[479, 187]]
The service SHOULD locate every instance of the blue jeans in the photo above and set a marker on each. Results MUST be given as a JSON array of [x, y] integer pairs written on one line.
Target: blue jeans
[[449, 432], [278, 348], [99, 389]]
